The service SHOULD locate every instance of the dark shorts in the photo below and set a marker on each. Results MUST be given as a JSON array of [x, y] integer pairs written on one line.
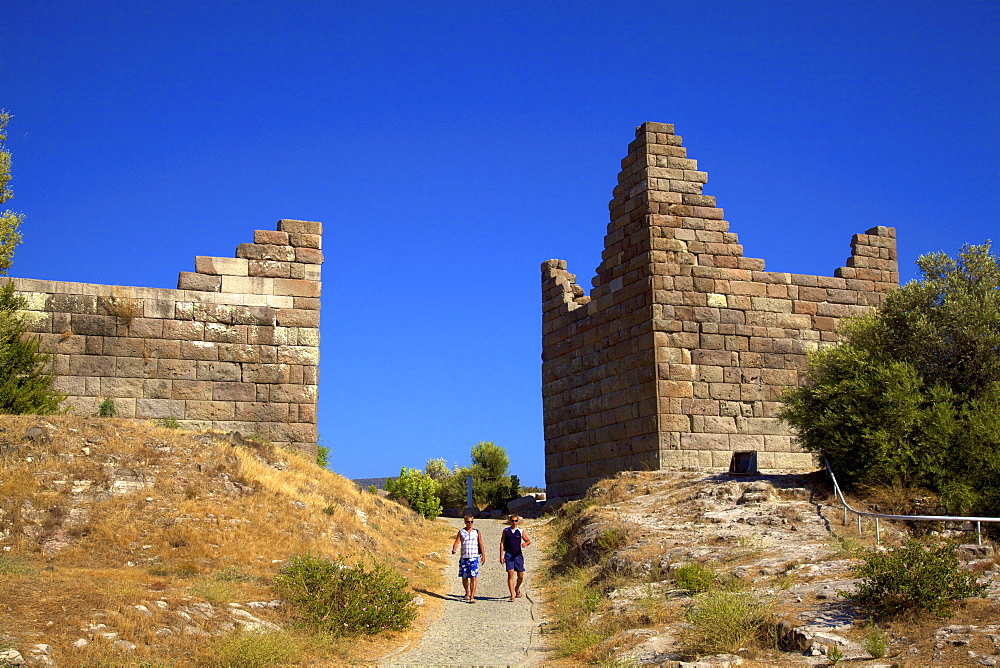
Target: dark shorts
[[513, 562], [468, 567]]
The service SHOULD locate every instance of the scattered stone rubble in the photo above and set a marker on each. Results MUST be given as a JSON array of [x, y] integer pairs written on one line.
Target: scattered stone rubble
[[194, 618]]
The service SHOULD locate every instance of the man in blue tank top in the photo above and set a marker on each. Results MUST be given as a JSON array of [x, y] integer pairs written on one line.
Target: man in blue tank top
[[512, 540]]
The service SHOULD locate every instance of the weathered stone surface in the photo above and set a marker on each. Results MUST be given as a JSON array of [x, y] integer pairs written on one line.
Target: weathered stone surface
[[204, 282], [678, 355]]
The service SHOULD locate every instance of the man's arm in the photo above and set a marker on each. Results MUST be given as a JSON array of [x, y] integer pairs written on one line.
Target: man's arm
[[503, 537], [524, 538], [458, 539], [482, 547]]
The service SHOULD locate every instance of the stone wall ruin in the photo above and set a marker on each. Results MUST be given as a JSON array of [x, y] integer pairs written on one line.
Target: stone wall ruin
[[234, 347], [679, 353]]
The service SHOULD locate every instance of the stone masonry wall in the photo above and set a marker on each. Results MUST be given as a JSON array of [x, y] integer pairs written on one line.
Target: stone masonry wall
[[234, 347], [678, 355]]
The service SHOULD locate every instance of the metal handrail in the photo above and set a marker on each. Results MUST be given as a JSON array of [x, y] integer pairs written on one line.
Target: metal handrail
[[914, 518]]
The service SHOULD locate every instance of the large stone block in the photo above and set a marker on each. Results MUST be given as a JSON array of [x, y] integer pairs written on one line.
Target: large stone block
[[192, 390], [228, 266], [159, 408], [296, 288], [265, 373], [300, 227], [295, 394], [298, 318], [209, 410], [263, 412], [266, 252], [219, 371], [203, 282]]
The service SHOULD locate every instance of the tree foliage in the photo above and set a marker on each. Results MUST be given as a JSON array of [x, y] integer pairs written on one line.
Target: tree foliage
[[492, 485], [437, 469], [418, 489], [913, 392], [10, 221], [25, 379]]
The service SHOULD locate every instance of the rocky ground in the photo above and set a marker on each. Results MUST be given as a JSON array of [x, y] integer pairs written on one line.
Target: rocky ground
[[783, 537]]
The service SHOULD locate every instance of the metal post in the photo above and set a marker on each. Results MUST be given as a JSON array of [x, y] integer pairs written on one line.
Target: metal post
[[468, 491], [859, 525], [877, 535], [979, 533]]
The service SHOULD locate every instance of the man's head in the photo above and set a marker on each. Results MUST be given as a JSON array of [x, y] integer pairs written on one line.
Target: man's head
[[515, 520], [468, 520]]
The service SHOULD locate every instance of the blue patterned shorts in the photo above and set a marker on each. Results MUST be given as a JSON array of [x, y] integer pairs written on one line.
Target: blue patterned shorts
[[468, 567]]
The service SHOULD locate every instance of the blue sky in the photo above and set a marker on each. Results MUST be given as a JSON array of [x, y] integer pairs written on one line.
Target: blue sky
[[451, 147]]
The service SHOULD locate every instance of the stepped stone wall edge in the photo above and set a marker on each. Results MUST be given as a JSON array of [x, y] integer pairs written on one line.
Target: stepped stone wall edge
[[234, 347], [679, 353]]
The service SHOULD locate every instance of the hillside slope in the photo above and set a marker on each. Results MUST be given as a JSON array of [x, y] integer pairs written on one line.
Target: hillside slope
[[781, 538], [126, 542]]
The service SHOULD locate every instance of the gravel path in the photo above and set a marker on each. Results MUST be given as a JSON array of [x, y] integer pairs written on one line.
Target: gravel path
[[490, 632]]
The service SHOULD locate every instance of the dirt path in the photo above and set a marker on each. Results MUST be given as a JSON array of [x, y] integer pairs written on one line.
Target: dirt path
[[490, 632]]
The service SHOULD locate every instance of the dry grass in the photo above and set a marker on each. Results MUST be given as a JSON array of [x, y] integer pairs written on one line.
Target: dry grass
[[111, 514]]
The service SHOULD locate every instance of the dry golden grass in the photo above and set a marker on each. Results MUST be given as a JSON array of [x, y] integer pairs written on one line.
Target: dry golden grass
[[112, 513]]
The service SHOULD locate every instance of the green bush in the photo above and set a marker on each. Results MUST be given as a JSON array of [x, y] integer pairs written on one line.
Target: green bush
[[610, 540], [107, 408], [322, 455], [914, 576], [694, 578], [875, 642], [417, 489], [25, 381], [725, 621], [332, 597]]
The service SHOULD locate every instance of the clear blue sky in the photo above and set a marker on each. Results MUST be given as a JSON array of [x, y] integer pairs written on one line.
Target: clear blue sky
[[451, 147]]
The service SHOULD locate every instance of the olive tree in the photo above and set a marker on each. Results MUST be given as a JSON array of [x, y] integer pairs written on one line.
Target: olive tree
[[913, 391]]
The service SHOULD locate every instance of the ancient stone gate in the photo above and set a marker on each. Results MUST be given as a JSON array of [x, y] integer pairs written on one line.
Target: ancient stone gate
[[680, 352], [234, 347]]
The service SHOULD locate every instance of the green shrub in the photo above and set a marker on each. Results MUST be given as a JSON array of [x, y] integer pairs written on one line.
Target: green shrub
[[610, 540], [694, 578], [332, 597], [914, 576], [875, 642], [418, 489], [169, 423], [25, 380], [725, 621], [107, 408], [322, 455], [834, 654]]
